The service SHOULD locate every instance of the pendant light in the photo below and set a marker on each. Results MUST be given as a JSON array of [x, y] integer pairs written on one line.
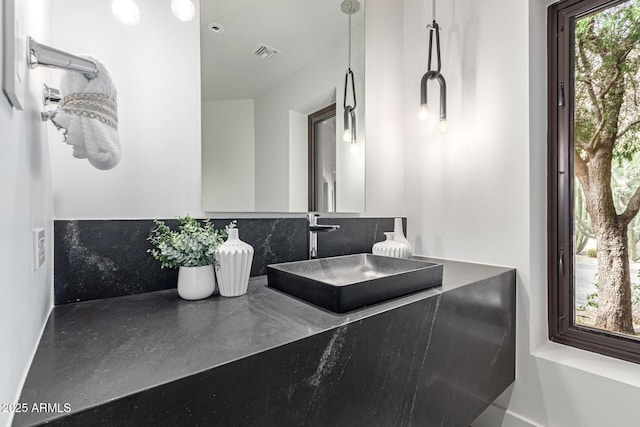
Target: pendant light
[[350, 131], [423, 113]]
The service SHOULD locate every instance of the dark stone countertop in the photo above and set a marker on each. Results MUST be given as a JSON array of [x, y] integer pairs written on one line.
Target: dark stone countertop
[[96, 351]]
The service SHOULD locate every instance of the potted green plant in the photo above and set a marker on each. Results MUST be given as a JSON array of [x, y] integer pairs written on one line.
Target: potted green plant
[[191, 249]]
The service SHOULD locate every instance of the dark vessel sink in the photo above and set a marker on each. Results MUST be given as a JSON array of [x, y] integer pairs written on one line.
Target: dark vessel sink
[[349, 282]]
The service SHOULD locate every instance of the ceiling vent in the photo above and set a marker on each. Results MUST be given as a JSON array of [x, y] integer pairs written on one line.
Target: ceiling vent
[[265, 52]]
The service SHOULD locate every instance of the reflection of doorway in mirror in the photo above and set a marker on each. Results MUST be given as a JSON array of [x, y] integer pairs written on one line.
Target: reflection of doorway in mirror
[[322, 160]]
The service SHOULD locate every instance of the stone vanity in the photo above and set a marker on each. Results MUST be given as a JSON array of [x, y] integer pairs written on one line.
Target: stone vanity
[[436, 357]]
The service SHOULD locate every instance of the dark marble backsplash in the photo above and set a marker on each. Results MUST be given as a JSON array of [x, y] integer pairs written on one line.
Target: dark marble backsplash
[[96, 259]]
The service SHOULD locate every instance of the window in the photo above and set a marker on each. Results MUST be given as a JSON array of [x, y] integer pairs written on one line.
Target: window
[[322, 160], [594, 176]]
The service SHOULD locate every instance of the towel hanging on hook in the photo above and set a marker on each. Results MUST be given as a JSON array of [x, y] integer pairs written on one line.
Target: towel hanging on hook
[[88, 113]]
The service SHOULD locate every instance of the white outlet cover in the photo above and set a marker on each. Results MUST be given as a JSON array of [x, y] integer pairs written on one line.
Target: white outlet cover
[[15, 56], [38, 247]]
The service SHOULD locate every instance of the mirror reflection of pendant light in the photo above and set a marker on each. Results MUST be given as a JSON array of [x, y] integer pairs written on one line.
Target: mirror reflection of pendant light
[[350, 131], [423, 113], [184, 10], [126, 11]]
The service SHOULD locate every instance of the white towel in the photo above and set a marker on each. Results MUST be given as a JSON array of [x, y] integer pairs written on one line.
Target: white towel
[[89, 114]]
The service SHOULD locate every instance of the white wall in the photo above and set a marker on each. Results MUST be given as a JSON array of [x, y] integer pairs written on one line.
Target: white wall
[[385, 184], [298, 162], [479, 194], [228, 156], [25, 203], [156, 68]]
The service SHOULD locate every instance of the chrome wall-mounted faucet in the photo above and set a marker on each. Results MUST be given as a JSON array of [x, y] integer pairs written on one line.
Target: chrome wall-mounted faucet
[[314, 229]]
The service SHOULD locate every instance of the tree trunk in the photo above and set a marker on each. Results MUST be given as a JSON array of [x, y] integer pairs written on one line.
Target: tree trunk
[[633, 243], [614, 283]]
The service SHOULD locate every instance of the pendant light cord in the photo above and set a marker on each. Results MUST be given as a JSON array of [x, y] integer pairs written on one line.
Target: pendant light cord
[[433, 10], [350, 13], [349, 75], [434, 28]]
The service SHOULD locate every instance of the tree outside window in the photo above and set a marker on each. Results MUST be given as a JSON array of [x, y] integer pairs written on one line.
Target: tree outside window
[[594, 144]]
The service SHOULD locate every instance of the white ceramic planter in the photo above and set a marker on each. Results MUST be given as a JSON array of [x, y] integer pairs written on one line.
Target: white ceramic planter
[[234, 265], [196, 282], [400, 238], [390, 247]]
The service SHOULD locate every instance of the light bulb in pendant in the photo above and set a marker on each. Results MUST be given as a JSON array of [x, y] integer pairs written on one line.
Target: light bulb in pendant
[[346, 136], [126, 11], [423, 113], [443, 127], [184, 10]]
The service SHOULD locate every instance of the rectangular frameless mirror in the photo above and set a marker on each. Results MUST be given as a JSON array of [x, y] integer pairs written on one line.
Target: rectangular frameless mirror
[[273, 77]]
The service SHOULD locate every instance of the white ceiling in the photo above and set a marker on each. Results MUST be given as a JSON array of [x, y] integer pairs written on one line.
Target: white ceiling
[[300, 29]]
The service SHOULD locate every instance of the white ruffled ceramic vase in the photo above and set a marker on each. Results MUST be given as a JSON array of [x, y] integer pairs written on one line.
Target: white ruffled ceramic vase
[[400, 238], [390, 247], [234, 265], [196, 282]]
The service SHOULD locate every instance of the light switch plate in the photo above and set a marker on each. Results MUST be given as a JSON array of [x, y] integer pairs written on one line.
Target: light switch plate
[[15, 55], [38, 247]]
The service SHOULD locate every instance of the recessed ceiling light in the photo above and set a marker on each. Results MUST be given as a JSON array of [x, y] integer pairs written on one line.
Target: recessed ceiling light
[[126, 11], [184, 10], [215, 28]]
